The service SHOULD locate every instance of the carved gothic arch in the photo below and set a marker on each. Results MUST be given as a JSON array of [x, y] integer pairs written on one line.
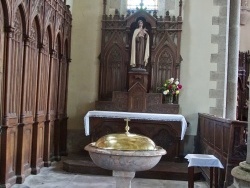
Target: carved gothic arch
[[114, 41], [115, 66], [50, 36], [58, 44], [35, 32], [37, 23], [21, 9], [6, 12]]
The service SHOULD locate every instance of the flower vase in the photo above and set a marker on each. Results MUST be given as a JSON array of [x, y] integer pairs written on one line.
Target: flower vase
[[169, 99]]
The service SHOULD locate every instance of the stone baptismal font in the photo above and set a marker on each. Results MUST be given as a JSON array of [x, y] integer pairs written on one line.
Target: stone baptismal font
[[125, 154]]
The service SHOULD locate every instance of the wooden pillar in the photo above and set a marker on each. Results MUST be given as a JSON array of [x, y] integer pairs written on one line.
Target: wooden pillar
[[9, 127], [58, 121], [39, 125], [62, 107], [49, 154], [49, 123], [25, 128]]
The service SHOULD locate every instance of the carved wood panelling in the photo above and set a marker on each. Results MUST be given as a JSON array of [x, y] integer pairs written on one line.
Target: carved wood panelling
[[62, 88], [40, 141], [23, 162], [8, 162], [37, 148], [53, 98], [48, 14], [1, 54], [55, 76], [226, 139], [114, 70], [30, 64], [43, 80], [113, 74], [37, 8], [16, 67], [165, 66]]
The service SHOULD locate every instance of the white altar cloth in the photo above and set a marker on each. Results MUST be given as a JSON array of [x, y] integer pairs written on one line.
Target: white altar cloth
[[132, 115], [203, 160]]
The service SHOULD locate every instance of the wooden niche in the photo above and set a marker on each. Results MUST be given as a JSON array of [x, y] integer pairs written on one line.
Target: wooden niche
[[122, 88]]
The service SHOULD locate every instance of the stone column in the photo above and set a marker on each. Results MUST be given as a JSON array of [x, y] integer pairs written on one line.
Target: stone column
[[233, 56], [123, 179]]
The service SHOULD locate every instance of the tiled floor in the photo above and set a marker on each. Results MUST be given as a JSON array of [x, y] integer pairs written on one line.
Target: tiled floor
[[55, 177]]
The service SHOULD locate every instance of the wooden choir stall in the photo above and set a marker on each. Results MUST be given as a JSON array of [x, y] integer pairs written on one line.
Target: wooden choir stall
[[35, 37]]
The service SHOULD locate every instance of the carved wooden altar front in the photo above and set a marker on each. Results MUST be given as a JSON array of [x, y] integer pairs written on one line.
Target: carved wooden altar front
[[122, 88]]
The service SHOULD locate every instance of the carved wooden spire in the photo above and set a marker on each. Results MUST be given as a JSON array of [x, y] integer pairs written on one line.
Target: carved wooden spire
[[104, 6], [180, 8]]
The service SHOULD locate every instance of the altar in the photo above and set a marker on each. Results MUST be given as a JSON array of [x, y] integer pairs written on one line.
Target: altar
[[166, 130]]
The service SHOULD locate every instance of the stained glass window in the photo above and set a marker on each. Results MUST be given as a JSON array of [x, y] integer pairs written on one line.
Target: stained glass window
[[148, 4]]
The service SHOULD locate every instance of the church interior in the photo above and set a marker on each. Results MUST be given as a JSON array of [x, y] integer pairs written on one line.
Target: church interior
[[187, 87]]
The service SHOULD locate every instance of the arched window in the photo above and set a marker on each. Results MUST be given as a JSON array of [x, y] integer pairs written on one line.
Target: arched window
[[148, 4]]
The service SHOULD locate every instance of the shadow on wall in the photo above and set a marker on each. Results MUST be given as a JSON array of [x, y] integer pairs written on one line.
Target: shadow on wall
[[76, 141]]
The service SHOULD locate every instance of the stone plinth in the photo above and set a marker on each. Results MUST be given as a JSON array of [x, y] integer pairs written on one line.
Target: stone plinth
[[123, 179], [241, 175]]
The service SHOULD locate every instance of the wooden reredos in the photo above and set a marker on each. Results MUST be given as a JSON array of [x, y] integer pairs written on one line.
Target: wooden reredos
[[164, 60]]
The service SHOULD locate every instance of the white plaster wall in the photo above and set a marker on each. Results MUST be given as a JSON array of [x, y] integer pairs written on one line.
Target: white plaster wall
[[196, 49], [245, 36], [84, 68]]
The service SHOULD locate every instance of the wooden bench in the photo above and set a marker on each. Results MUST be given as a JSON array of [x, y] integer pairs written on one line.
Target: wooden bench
[[226, 140]]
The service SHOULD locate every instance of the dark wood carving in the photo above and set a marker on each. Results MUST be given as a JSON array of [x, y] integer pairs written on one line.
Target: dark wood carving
[[243, 86], [43, 107], [226, 139], [138, 88], [34, 59]]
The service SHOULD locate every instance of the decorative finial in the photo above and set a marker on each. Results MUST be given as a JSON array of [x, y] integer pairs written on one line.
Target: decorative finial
[[127, 127], [141, 4]]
